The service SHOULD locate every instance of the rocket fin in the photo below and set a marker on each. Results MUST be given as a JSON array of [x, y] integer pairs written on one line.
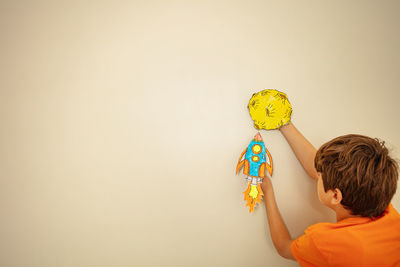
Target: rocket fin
[[246, 167], [261, 170], [268, 166], [240, 165], [241, 155], [240, 161]]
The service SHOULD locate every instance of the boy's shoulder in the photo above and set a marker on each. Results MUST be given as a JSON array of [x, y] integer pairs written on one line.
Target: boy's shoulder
[[389, 219], [349, 240]]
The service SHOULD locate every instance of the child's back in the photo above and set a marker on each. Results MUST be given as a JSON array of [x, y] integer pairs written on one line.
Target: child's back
[[351, 242]]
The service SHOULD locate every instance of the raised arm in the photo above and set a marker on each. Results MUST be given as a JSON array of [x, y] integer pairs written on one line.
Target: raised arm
[[304, 150], [279, 233]]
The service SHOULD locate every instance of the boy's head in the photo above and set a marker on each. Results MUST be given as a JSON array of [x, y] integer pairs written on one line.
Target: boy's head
[[362, 170]]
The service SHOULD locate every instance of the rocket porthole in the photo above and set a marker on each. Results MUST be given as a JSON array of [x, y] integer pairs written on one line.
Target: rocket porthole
[[256, 149], [255, 158]]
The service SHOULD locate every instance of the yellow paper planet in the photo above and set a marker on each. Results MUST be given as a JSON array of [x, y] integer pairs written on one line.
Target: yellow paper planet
[[270, 109]]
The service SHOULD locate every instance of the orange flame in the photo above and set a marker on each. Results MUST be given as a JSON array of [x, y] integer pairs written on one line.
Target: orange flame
[[251, 202]]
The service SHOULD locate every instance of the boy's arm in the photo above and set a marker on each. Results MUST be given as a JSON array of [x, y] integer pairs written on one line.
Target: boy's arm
[[279, 233], [304, 150]]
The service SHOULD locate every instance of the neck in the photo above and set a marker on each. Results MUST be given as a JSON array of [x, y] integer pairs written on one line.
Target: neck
[[342, 213]]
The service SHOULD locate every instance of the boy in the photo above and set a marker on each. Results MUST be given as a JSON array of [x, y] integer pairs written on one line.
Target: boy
[[357, 179]]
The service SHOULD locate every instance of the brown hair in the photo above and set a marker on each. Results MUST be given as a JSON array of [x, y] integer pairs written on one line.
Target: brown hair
[[360, 167]]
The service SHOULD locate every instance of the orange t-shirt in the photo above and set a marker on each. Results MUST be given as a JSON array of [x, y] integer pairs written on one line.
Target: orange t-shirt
[[351, 242]]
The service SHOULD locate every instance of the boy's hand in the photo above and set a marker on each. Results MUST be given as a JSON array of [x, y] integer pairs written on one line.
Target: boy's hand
[[266, 185]]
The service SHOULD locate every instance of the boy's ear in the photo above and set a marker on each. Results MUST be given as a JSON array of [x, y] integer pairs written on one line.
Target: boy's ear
[[337, 196]]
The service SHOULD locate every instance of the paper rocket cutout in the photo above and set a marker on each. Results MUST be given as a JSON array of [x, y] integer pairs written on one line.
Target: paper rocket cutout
[[270, 109], [255, 160]]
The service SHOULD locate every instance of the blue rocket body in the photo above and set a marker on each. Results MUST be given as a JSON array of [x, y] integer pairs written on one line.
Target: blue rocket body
[[251, 156]]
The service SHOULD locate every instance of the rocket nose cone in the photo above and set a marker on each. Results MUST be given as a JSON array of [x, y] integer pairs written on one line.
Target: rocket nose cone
[[258, 137]]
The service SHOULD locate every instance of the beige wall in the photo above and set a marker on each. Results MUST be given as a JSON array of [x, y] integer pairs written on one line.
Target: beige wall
[[122, 122]]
